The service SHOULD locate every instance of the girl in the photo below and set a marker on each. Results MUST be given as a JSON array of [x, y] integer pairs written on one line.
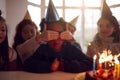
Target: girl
[[57, 53], [108, 33], [24, 41], [7, 54], [107, 36]]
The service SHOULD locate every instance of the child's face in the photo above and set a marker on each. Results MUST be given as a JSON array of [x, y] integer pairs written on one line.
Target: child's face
[[2, 31], [56, 44], [28, 32], [105, 28]]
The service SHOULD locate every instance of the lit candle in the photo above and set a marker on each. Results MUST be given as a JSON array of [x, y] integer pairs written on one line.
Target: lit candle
[[108, 58], [118, 73], [100, 65], [116, 61], [94, 61], [117, 67], [89, 44], [104, 55]]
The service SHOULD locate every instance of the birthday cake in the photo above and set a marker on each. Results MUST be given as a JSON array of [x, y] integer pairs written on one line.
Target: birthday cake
[[102, 75], [107, 65]]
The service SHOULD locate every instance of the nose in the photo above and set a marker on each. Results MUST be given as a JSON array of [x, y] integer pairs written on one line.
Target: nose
[[58, 40], [30, 34]]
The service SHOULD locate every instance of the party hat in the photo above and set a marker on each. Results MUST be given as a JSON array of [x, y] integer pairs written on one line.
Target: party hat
[[74, 21], [51, 15], [27, 15], [105, 9]]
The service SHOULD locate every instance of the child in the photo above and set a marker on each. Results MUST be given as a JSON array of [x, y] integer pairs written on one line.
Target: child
[[108, 34], [25, 39], [7, 54], [57, 52]]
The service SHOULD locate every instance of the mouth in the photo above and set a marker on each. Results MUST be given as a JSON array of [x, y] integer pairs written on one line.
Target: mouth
[[104, 33], [29, 38]]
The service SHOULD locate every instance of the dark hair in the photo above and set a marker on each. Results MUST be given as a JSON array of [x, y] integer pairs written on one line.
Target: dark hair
[[42, 24], [61, 22], [4, 48], [114, 22], [0, 12], [18, 39]]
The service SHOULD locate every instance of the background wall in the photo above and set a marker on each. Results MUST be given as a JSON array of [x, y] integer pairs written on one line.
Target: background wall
[[3, 7], [15, 11]]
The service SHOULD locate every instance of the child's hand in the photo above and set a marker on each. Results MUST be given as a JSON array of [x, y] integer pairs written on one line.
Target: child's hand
[[66, 35], [55, 65], [47, 35]]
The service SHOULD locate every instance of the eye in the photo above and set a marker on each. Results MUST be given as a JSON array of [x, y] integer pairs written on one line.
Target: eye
[[100, 25], [3, 30], [25, 32], [109, 25], [32, 31]]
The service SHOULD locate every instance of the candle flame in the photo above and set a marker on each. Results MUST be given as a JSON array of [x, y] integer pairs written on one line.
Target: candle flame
[[118, 55], [100, 60], [89, 44], [95, 56], [106, 56], [116, 59]]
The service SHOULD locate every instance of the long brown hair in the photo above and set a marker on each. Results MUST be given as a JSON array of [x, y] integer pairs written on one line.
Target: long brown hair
[[18, 39], [114, 22], [4, 49]]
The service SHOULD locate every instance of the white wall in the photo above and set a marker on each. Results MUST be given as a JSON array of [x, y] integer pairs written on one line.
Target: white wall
[[15, 11], [3, 7]]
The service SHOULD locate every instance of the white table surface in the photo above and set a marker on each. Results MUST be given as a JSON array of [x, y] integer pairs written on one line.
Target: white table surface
[[21, 75]]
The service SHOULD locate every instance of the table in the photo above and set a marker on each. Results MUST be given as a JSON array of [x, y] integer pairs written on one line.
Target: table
[[21, 75]]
